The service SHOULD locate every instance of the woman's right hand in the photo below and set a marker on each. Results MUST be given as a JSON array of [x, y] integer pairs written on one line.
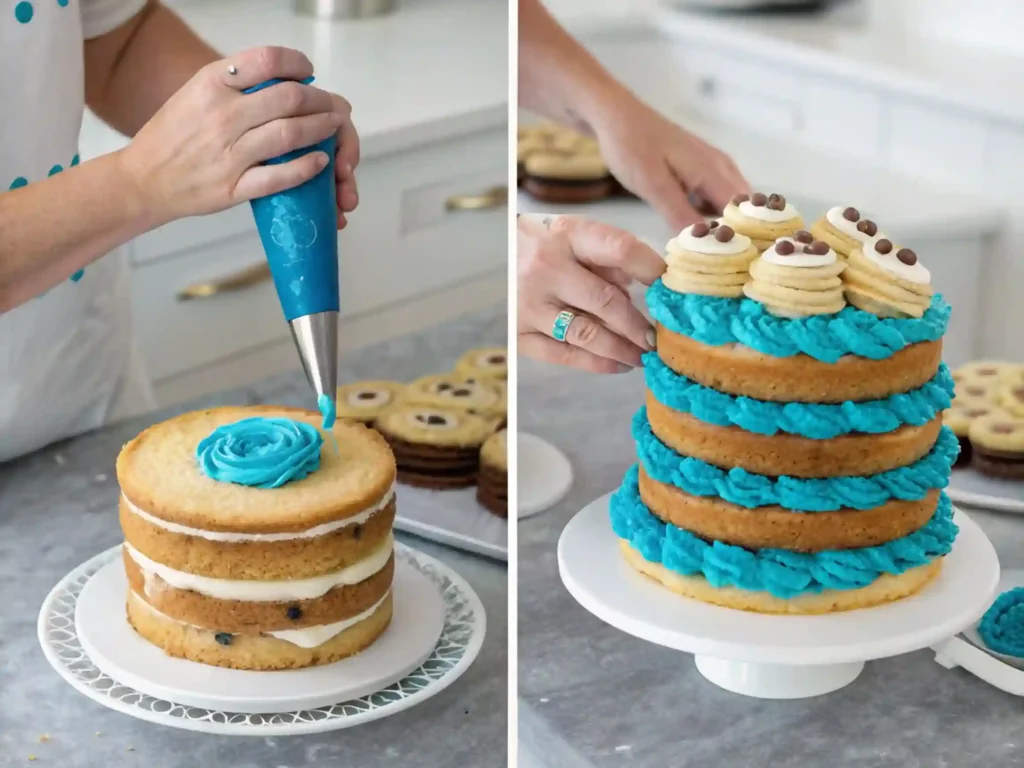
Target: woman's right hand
[[586, 267], [201, 152]]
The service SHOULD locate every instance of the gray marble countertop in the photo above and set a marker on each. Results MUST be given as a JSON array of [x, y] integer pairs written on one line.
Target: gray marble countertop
[[592, 696], [58, 508]]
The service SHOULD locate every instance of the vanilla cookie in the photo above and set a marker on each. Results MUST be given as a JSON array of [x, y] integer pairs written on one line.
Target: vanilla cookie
[[797, 277], [845, 230], [480, 396], [362, 401], [708, 258], [563, 176], [959, 417], [998, 444], [486, 363], [1011, 398], [887, 281], [763, 218]]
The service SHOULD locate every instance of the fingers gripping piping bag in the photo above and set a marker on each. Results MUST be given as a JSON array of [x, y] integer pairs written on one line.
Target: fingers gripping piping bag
[[298, 229]]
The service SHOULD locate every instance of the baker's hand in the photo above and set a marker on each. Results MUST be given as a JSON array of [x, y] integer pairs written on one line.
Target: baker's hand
[[681, 176], [585, 267], [346, 160], [201, 152]]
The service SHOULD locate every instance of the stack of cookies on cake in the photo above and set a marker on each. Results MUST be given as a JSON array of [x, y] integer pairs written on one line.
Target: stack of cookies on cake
[[252, 544], [988, 417], [442, 427], [791, 450]]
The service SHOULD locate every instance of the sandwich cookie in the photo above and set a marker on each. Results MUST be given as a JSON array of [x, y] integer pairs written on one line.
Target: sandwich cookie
[[488, 363], [362, 401], [435, 447], [797, 277], [708, 258], [763, 218], [959, 417], [553, 176], [845, 230], [480, 396], [887, 281], [492, 485], [997, 441]]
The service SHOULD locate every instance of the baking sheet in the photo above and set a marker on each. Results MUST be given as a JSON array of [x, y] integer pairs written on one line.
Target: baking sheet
[[452, 518], [970, 488]]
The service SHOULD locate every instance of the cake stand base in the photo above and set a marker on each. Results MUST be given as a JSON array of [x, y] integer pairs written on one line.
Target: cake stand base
[[545, 475], [777, 681], [771, 656]]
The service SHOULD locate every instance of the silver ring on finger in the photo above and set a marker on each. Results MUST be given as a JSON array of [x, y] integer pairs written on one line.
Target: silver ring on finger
[[560, 328]]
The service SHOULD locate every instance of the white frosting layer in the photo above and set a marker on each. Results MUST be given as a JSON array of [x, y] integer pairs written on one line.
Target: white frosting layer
[[798, 259], [708, 244], [849, 228], [913, 273], [310, 533], [264, 591], [308, 637], [764, 213]]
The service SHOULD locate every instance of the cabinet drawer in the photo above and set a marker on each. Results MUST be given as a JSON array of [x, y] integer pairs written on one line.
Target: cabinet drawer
[[843, 118], [933, 143]]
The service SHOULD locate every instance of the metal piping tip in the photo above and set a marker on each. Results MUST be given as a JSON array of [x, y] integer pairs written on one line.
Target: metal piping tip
[[316, 339]]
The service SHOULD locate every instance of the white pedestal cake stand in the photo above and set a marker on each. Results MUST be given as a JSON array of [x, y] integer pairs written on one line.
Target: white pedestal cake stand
[[545, 475], [765, 656]]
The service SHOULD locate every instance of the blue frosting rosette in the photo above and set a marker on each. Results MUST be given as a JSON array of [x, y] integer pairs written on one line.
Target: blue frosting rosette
[[260, 452], [1002, 626]]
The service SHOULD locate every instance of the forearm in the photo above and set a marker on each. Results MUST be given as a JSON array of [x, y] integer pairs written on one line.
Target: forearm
[[54, 227], [558, 78], [131, 72]]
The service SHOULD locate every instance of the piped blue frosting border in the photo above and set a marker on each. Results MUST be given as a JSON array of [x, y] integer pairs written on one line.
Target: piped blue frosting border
[[715, 321], [812, 420], [748, 489], [1002, 626], [780, 572]]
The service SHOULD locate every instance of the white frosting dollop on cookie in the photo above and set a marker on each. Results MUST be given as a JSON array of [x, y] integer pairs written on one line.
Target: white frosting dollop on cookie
[[849, 228], [764, 213], [686, 240], [798, 258], [912, 273]]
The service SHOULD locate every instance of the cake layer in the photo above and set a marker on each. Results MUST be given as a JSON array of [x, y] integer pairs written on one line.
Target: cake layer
[[747, 489], [884, 589], [287, 650], [256, 556], [778, 572], [818, 421], [740, 370], [159, 472], [827, 338], [713, 519], [847, 455], [165, 590]]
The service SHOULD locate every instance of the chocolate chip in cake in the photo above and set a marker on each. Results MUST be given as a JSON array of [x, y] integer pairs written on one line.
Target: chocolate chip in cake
[[759, 199], [724, 234], [741, 198], [817, 248], [883, 246], [851, 214], [776, 202], [365, 395], [461, 393], [803, 236], [294, 612], [700, 229], [868, 227], [784, 248], [906, 256], [224, 638], [1003, 429]]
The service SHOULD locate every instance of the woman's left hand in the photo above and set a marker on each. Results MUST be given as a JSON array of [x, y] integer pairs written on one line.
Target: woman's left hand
[[345, 161]]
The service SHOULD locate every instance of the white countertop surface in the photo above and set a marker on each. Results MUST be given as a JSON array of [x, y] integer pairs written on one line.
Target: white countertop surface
[[432, 69], [845, 42]]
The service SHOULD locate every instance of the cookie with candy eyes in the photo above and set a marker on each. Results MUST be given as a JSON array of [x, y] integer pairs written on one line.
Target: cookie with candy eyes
[[977, 389], [998, 444], [887, 280], [797, 277], [362, 401], [478, 395], [763, 218], [490, 362], [708, 258], [987, 371], [845, 230]]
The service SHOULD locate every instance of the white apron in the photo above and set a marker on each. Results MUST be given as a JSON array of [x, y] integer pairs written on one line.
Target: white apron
[[67, 362]]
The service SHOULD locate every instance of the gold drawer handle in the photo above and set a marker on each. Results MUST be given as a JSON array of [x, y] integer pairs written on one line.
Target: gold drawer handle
[[495, 197], [244, 278]]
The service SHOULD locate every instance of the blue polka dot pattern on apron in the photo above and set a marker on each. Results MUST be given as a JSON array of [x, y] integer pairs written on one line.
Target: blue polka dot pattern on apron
[[18, 183], [24, 11]]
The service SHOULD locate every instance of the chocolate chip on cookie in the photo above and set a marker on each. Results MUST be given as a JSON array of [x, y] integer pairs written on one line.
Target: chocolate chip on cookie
[[974, 391], [443, 387], [986, 372], [759, 199], [461, 393], [817, 248], [883, 246], [785, 248], [740, 199], [868, 227], [700, 229], [974, 413], [906, 256], [1003, 429], [724, 234], [432, 419], [803, 236], [497, 359], [851, 214], [366, 395], [714, 223], [776, 202]]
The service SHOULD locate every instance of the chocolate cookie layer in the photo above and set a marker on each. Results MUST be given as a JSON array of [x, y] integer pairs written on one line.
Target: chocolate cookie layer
[[1004, 464], [492, 490], [568, 190]]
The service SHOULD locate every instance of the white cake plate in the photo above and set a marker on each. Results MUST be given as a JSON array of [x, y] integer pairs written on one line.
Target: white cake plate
[[973, 489], [545, 475], [766, 656], [436, 632]]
